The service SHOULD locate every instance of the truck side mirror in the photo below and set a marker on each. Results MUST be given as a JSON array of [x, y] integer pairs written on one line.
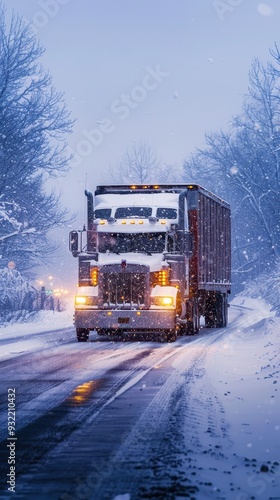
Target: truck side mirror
[[74, 243]]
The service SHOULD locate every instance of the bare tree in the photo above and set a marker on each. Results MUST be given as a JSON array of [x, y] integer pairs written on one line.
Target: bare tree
[[33, 125], [242, 165], [140, 164]]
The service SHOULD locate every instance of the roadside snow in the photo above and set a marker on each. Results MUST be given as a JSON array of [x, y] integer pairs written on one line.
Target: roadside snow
[[43, 321], [18, 338], [232, 419], [228, 414]]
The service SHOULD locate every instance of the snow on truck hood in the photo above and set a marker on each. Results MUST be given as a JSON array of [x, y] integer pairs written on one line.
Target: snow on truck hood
[[135, 199], [145, 227], [154, 261]]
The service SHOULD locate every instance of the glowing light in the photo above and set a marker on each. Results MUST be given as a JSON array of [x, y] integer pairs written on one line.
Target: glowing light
[[167, 301], [163, 301], [80, 299], [94, 276], [163, 277], [82, 393]]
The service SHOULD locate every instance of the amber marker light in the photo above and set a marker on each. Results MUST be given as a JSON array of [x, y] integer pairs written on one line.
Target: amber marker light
[[94, 276], [163, 277]]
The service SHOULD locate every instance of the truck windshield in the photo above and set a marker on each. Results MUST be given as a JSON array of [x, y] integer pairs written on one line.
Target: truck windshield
[[127, 212], [102, 213], [167, 213], [140, 242]]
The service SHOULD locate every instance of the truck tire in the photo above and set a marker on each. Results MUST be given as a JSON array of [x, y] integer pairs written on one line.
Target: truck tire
[[171, 336], [210, 310], [82, 334], [192, 326], [168, 336], [216, 310]]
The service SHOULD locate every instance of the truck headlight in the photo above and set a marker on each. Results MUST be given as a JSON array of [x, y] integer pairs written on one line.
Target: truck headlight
[[83, 300], [162, 301], [80, 300], [167, 301]]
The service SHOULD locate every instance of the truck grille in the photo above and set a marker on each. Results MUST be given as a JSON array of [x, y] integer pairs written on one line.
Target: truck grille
[[124, 286], [126, 289]]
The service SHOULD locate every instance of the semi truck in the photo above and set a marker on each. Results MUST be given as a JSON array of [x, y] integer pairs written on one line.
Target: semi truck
[[153, 259]]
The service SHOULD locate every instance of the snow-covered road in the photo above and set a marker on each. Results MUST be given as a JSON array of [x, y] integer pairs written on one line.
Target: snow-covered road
[[198, 419]]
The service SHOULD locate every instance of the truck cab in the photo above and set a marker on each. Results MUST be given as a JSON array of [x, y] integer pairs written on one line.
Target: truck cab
[[134, 262]]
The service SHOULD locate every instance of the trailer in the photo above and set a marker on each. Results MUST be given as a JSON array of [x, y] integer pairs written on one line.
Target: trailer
[[153, 258]]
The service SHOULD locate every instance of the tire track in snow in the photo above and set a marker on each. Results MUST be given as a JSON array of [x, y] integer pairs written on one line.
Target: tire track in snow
[[154, 452], [55, 426]]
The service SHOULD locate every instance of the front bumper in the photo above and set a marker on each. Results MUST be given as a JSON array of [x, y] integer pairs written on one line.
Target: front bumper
[[128, 320]]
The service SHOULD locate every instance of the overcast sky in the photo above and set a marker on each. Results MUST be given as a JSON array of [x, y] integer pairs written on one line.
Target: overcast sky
[[161, 71]]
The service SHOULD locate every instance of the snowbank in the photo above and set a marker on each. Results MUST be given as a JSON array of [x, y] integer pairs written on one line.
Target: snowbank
[[232, 422], [41, 322]]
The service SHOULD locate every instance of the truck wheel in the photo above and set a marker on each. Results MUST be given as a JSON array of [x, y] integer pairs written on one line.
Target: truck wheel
[[216, 310], [82, 334], [210, 306], [172, 336], [190, 328], [193, 323]]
